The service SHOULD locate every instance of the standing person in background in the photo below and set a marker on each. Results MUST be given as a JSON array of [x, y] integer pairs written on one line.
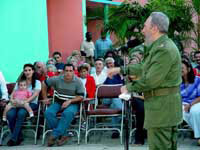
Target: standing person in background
[[88, 48], [102, 45], [59, 64], [3, 94], [160, 83]]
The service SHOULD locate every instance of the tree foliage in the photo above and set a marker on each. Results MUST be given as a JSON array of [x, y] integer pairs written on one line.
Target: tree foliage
[[128, 19], [196, 38]]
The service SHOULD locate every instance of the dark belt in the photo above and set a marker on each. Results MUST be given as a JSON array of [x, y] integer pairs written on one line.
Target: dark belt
[[161, 92]]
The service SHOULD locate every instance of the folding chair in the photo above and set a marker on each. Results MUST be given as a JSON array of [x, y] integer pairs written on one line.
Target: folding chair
[[27, 125], [183, 128], [74, 128], [104, 91]]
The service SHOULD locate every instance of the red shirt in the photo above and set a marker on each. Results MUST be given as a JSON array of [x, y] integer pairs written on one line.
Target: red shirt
[[196, 72], [90, 86]]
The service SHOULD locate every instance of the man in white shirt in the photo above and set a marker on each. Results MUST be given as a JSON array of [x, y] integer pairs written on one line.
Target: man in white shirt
[[99, 75], [88, 48]]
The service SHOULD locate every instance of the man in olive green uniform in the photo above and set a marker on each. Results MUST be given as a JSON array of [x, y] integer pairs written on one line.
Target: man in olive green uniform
[[160, 80]]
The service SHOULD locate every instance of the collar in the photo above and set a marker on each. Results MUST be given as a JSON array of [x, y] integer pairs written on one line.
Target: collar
[[73, 79], [156, 42], [106, 39]]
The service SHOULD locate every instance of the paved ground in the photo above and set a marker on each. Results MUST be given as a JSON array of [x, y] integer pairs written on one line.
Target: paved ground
[[99, 141]]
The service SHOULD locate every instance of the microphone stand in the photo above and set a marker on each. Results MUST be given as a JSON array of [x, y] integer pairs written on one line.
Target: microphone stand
[[127, 115]]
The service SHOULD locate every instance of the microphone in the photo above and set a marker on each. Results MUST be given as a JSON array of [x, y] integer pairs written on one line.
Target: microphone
[[129, 44]]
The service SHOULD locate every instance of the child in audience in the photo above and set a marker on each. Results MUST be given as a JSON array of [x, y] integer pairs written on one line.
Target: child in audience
[[51, 72], [18, 99]]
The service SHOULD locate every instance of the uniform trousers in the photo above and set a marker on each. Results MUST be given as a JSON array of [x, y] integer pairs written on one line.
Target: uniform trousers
[[162, 138]]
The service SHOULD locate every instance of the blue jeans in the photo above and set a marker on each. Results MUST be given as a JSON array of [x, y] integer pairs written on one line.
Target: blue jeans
[[115, 103], [60, 126], [16, 117]]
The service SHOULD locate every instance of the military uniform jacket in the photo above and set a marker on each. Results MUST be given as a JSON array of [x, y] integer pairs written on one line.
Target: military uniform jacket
[[161, 69]]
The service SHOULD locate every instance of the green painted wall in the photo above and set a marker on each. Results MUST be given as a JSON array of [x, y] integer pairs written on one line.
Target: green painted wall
[[23, 35], [84, 17]]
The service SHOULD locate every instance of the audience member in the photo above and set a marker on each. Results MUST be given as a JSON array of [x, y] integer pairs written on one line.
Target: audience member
[[197, 67], [87, 80], [88, 48], [114, 103], [74, 61], [116, 79], [3, 94], [16, 116], [102, 45], [19, 99], [59, 64], [136, 56], [197, 58], [137, 102], [99, 75], [77, 55], [190, 92], [193, 59], [116, 57], [40, 69], [51, 61], [51, 72], [67, 84]]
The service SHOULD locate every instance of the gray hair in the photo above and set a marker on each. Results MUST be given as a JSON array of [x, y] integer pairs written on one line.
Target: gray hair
[[109, 59], [161, 21], [51, 59], [52, 66]]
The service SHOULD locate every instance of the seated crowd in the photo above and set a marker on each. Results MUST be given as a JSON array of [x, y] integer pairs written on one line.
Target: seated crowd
[[78, 79]]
